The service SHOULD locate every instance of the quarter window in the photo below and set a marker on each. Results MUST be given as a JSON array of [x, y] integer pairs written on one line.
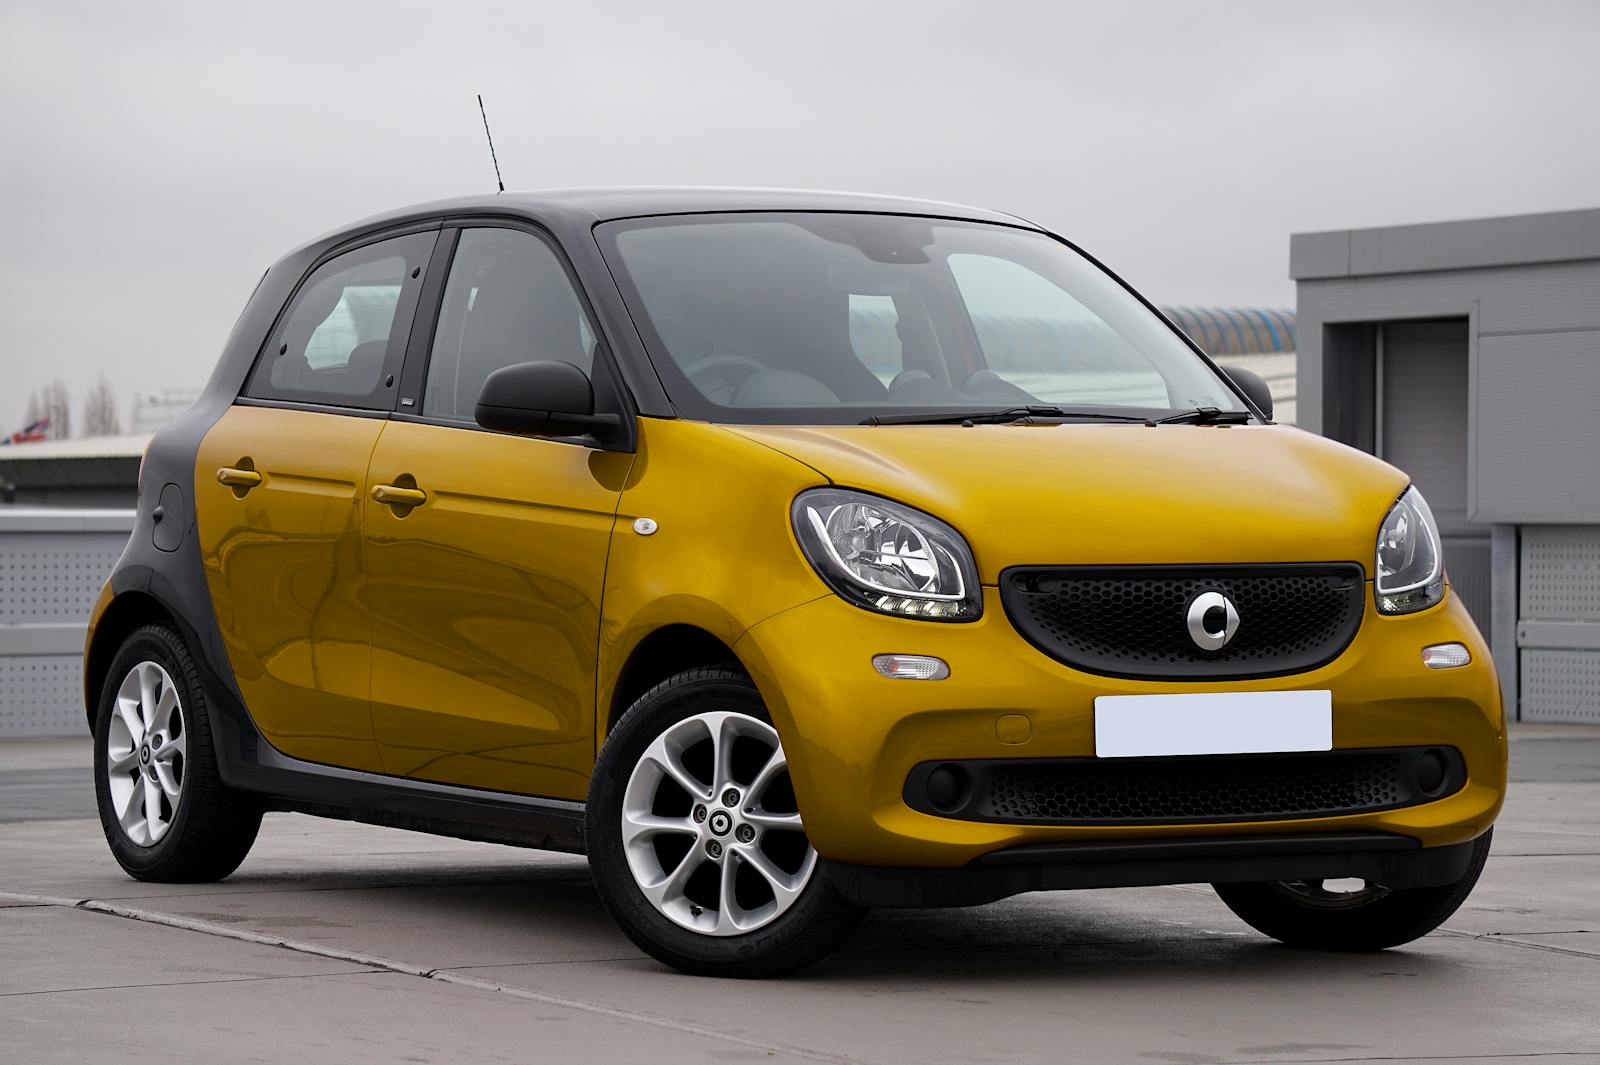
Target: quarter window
[[508, 300], [344, 332]]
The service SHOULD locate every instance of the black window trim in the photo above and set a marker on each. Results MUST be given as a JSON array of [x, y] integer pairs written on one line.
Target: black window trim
[[407, 307], [314, 408], [611, 394]]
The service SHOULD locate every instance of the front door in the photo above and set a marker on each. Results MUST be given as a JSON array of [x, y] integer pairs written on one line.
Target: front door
[[486, 553], [1422, 428], [278, 486]]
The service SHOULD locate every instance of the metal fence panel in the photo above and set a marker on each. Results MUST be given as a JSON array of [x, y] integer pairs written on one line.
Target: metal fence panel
[[52, 565], [41, 695], [1558, 631], [1561, 685]]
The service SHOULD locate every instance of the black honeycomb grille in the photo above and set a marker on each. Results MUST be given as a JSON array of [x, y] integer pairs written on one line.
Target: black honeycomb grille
[[1130, 621], [1214, 788]]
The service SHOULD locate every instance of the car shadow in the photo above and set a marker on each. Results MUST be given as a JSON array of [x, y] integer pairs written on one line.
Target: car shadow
[[1146, 936], [1052, 940]]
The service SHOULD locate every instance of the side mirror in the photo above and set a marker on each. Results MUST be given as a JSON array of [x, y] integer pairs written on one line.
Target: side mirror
[[1252, 385], [541, 399]]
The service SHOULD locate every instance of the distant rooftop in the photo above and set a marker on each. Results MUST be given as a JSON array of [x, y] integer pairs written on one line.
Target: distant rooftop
[[129, 445], [1236, 330]]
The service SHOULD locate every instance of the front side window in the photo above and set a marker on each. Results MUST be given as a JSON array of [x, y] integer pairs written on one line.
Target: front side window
[[508, 300], [836, 318], [341, 337]]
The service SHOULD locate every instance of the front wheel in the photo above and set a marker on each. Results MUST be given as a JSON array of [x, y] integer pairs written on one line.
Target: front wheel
[[695, 839], [1350, 915]]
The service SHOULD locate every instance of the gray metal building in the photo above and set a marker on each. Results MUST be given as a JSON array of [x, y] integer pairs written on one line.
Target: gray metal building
[[1468, 353]]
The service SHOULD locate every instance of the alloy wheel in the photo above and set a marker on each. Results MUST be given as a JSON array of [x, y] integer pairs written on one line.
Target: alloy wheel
[[710, 826], [145, 749]]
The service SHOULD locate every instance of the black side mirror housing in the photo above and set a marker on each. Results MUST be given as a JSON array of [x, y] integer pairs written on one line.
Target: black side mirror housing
[[1252, 385], [541, 399]]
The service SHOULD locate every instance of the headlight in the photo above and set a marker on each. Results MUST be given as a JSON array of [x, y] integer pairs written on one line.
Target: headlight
[[887, 557], [1410, 565]]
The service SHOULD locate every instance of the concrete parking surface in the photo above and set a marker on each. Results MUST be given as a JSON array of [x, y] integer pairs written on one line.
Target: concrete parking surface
[[344, 943]]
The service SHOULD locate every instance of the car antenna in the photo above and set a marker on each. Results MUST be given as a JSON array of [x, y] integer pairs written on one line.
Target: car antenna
[[492, 157]]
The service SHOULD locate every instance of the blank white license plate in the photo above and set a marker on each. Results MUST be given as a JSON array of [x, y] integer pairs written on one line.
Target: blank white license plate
[[1140, 726]]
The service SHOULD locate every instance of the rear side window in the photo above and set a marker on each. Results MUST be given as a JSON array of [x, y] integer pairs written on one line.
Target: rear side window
[[344, 332], [508, 300]]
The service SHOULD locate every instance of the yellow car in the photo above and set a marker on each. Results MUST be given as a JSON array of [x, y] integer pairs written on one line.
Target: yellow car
[[789, 554]]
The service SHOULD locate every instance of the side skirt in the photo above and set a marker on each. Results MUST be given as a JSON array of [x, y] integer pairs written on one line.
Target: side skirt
[[286, 783]]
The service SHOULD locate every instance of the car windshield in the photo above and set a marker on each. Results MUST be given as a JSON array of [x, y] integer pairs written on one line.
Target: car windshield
[[797, 318]]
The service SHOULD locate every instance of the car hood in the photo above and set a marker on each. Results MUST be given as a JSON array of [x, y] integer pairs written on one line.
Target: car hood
[[1115, 494]]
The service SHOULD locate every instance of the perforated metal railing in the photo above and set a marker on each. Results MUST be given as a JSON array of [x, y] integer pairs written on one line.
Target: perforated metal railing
[[52, 564], [1558, 628]]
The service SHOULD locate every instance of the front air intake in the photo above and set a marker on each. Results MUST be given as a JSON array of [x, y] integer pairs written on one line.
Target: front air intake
[[1210, 788]]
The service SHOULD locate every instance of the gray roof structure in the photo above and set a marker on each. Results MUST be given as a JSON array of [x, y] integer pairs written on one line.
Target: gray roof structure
[[1512, 240]]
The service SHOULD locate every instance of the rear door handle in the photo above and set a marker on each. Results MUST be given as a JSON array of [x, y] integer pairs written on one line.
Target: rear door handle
[[234, 477], [394, 495]]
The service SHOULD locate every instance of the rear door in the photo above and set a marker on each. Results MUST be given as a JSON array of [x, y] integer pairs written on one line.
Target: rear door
[[486, 552], [278, 508]]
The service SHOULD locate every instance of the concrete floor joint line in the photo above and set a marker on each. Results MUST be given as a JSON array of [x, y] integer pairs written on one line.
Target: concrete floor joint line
[[1508, 1056], [406, 969], [1505, 939]]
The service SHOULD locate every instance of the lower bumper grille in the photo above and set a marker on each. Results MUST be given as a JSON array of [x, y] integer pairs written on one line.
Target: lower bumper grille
[[1213, 788]]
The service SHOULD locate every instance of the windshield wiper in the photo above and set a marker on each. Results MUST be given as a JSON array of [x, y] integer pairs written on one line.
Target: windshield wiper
[[1009, 414], [1206, 416]]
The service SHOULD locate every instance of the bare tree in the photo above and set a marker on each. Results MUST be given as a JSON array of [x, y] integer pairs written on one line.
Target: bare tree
[[100, 410], [53, 402]]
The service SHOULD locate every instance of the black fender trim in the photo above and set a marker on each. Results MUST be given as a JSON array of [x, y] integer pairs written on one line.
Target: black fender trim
[[1385, 858]]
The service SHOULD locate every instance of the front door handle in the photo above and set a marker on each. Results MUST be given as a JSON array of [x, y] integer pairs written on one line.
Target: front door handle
[[235, 477], [395, 495]]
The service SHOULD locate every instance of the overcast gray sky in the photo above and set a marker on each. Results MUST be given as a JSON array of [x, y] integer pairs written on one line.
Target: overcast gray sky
[[156, 157]]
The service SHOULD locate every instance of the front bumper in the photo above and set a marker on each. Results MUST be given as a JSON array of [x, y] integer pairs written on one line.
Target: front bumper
[[852, 736], [1382, 858]]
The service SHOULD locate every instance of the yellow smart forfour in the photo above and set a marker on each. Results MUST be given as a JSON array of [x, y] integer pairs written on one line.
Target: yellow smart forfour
[[789, 554]]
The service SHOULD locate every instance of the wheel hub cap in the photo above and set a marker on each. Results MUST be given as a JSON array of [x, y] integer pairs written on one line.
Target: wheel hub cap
[[145, 751], [709, 827]]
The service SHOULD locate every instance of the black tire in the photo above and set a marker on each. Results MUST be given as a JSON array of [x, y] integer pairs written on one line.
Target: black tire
[[814, 924], [1388, 920], [212, 826]]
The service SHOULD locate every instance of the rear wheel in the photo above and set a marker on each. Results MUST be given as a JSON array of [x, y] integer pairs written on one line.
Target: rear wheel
[[1350, 915], [695, 838], [166, 813]]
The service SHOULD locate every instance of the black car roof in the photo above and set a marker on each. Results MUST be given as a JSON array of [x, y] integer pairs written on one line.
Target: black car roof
[[590, 205]]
